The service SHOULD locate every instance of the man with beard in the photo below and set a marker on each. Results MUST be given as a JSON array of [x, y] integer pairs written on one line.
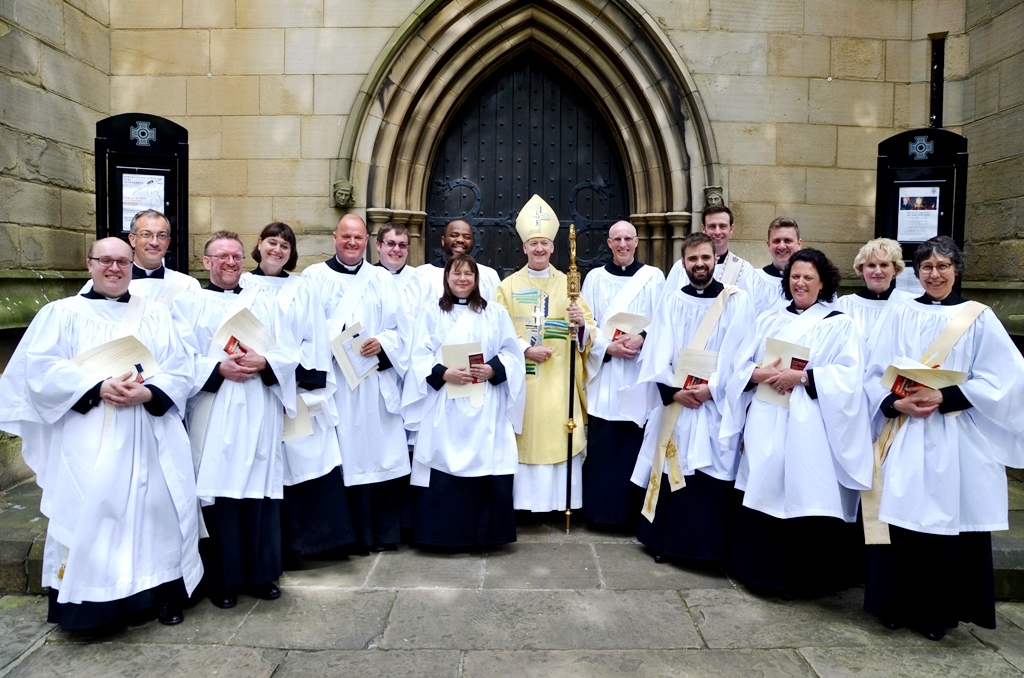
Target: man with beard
[[235, 422], [688, 474], [150, 237], [109, 452], [717, 223], [374, 455], [624, 285], [765, 284], [427, 285]]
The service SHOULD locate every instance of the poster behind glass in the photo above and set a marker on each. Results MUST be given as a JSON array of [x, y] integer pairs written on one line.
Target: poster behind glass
[[140, 192], [918, 218]]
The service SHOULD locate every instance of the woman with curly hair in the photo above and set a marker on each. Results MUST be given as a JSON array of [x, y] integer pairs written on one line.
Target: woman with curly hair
[[806, 441]]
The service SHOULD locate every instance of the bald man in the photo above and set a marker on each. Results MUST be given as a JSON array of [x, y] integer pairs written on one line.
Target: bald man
[[622, 286], [109, 451]]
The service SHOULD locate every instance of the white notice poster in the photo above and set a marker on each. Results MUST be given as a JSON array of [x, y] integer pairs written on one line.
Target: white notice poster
[[140, 192], [918, 214]]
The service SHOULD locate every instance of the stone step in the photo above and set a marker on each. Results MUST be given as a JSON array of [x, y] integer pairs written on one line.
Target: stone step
[[23, 532]]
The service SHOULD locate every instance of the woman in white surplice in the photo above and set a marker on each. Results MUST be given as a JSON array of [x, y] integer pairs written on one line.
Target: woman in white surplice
[[804, 462], [878, 262], [465, 455]]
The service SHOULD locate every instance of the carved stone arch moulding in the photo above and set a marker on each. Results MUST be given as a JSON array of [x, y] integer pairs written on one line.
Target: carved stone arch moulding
[[613, 48]]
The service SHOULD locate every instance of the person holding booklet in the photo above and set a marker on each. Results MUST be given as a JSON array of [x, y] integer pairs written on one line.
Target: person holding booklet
[[806, 440], [944, 450], [537, 299], [367, 331], [314, 510], [245, 365], [464, 395], [621, 292], [95, 389], [686, 363]]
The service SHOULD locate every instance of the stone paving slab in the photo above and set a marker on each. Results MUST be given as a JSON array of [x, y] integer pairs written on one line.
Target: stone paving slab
[[543, 566], [528, 620], [1007, 638], [349, 572], [390, 663], [552, 531], [22, 624], [412, 568], [736, 618], [103, 660], [613, 664], [317, 619], [934, 662], [629, 567], [205, 624]]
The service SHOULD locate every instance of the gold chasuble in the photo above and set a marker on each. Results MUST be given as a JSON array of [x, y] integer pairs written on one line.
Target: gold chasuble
[[542, 302]]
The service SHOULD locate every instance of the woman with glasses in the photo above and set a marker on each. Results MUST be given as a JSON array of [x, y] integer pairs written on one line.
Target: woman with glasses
[[314, 514], [806, 441], [946, 452], [465, 455]]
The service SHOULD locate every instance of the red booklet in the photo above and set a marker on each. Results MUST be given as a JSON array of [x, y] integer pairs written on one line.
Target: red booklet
[[901, 384], [474, 360], [692, 381], [233, 346], [797, 364]]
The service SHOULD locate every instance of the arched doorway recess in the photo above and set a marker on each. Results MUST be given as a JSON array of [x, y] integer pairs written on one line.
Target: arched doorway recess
[[615, 51]]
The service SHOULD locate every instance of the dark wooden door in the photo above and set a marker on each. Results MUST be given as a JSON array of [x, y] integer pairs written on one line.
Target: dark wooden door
[[527, 129]]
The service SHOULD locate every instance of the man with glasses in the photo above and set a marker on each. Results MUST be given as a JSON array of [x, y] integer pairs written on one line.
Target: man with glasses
[[150, 236], [716, 223], [393, 253], [109, 451], [622, 286], [427, 286]]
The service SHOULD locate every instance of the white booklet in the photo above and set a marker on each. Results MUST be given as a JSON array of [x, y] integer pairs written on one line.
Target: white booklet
[[793, 356], [904, 373], [354, 366], [694, 367], [244, 327], [464, 355], [299, 426], [625, 323], [126, 355]]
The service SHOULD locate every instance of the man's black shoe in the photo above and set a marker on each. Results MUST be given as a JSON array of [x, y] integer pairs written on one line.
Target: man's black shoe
[[171, 614], [223, 600], [266, 591]]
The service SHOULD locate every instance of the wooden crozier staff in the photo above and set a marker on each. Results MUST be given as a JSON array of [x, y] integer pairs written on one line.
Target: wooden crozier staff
[[573, 290]]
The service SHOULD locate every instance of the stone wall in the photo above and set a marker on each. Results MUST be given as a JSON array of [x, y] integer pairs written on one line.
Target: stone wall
[[992, 95]]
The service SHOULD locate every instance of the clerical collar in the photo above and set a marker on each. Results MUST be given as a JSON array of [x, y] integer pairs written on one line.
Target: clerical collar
[[772, 271], [721, 259], [139, 273], [710, 292], [280, 274], [793, 309], [461, 302], [873, 296], [546, 273], [93, 294], [952, 300], [624, 271], [439, 262], [214, 288], [398, 272], [335, 265]]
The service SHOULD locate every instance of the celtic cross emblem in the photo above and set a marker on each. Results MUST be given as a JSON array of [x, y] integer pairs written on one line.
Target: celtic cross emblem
[[142, 134], [921, 148]]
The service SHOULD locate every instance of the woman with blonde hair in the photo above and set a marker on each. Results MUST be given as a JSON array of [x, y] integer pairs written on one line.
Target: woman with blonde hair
[[878, 262]]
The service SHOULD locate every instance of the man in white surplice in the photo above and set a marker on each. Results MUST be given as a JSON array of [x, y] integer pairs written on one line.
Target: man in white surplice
[[716, 222], [150, 238], [689, 522], [374, 454], [622, 286], [110, 454], [427, 283], [236, 418]]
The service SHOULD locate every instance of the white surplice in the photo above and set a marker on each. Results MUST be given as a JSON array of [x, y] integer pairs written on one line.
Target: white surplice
[[370, 430], [696, 433], [867, 313], [118, 487], [163, 289], [946, 474], [814, 457], [236, 431], [454, 435], [427, 286]]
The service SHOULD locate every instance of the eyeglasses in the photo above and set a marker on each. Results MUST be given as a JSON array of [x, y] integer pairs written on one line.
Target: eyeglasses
[[150, 235], [226, 257], [391, 244], [623, 241], [107, 262], [927, 269]]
